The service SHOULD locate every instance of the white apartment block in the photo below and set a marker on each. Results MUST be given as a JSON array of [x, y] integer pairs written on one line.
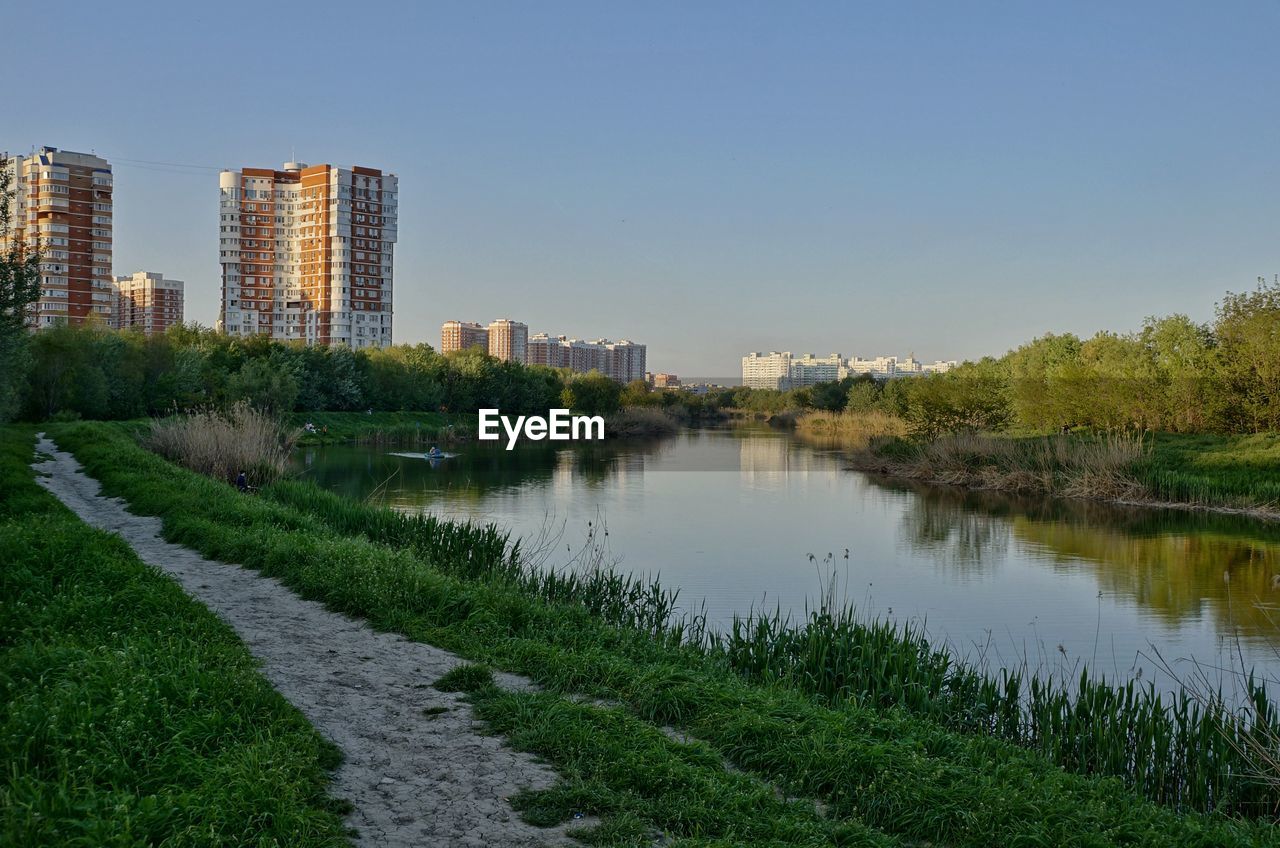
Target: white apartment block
[[783, 371], [809, 370], [62, 200], [880, 367], [307, 254], [766, 370]]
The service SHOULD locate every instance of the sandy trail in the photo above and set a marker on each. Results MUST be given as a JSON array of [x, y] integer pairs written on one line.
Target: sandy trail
[[414, 779]]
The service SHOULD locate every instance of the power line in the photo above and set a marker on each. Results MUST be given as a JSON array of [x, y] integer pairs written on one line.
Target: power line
[[145, 162]]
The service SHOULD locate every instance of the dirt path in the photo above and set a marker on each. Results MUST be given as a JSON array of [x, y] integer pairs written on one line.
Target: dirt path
[[415, 779]]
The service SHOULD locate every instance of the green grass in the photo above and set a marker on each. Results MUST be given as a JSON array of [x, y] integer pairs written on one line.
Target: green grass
[[886, 773], [130, 714], [391, 428], [1215, 470], [644, 784]]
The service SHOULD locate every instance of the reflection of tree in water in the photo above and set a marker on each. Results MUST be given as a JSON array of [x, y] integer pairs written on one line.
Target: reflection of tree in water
[[1176, 564], [958, 536], [1177, 575]]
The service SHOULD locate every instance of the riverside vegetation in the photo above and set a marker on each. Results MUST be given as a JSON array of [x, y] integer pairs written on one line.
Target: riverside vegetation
[[900, 743], [1176, 413]]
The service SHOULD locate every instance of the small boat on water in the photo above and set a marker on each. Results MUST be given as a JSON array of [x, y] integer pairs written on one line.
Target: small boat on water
[[431, 455]]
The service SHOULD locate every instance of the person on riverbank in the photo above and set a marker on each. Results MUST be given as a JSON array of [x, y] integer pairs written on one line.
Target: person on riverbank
[[242, 482]]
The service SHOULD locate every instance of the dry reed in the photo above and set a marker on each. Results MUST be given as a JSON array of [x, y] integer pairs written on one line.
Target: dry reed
[[1104, 467], [221, 444], [854, 425], [640, 422]]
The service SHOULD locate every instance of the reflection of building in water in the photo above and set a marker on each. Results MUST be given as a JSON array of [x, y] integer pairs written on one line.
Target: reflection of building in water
[[768, 453]]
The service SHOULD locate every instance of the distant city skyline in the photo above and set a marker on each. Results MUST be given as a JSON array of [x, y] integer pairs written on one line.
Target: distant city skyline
[[786, 370], [724, 177], [509, 340]]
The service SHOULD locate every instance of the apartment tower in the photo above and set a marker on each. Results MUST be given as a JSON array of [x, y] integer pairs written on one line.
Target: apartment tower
[[62, 200], [460, 335], [148, 302], [551, 351], [307, 254], [509, 340]]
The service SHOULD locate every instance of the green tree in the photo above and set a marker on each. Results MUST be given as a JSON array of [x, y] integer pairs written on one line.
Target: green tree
[[19, 288], [831, 396], [1248, 331], [864, 394], [637, 393], [592, 394], [1042, 378], [972, 397], [1184, 356], [266, 383]]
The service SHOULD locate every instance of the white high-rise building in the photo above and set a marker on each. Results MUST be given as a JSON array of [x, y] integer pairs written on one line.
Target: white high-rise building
[[809, 370], [784, 371], [881, 367], [766, 370], [307, 254]]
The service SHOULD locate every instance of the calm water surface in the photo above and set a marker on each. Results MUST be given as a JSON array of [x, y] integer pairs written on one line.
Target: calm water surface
[[732, 516]]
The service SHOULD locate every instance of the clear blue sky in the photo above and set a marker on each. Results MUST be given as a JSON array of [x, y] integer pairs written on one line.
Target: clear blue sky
[[708, 178]]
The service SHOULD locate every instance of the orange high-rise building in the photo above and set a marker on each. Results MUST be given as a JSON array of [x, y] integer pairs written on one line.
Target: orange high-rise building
[[63, 200], [509, 340], [307, 254], [460, 335], [147, 302]]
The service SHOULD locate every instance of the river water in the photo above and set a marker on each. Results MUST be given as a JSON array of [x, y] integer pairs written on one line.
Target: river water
[[747, 517]]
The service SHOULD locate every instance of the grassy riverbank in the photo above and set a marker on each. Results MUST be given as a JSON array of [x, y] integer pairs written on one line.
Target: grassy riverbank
[[1201, 471], [404, 429], [899, 743], [130, 714], [1239, 471]]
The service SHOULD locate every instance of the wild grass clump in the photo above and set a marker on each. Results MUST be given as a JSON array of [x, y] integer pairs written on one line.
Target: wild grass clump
[[221, 444], [1238, 472], [852, 425], [640, 422], [468, 677], [1105, 466]]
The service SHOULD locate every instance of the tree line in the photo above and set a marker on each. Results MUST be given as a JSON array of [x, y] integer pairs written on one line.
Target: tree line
[[1173, 375], [96, 373]]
